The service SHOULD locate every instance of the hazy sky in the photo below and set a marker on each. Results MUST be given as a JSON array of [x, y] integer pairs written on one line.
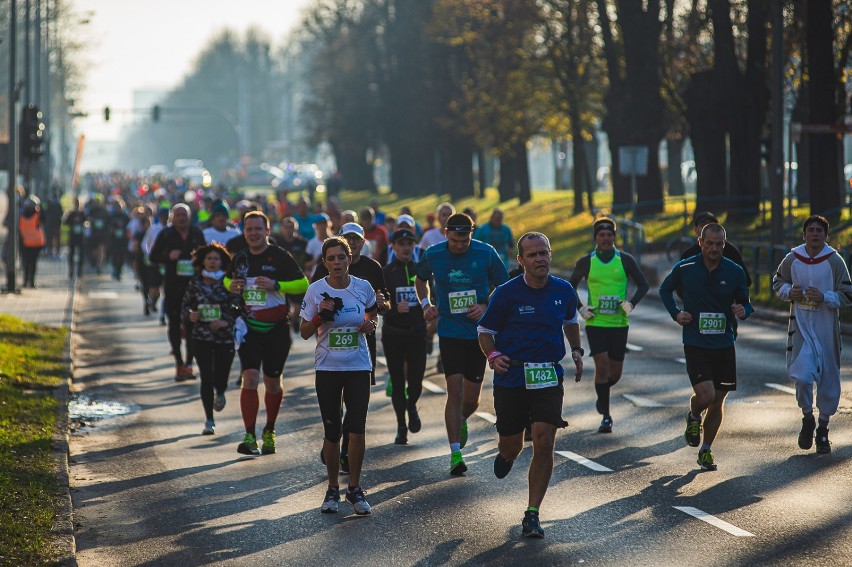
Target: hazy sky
[[143, 44]]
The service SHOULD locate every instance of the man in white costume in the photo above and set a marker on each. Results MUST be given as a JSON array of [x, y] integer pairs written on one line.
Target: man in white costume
[[815, 280]]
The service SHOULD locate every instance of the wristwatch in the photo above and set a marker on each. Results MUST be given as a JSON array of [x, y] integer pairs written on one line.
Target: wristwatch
[[578, 349]]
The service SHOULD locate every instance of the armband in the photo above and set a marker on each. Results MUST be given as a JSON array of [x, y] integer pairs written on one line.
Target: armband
[[578, 349], [424, 303], [316, 321], [494, 354]]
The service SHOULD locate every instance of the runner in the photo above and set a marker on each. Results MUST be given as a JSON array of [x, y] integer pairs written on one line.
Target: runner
[[403, 334], [119, 236], [606, 271], [213, 311], [75, 220], [465, 271], [340, 309], [714, 291], [220, 230], [815, 280], [263, 274], [173, 248], [521, 333], [154, 271], [699, 220]]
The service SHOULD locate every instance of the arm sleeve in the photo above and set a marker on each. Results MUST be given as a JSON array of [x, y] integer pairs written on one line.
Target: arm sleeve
[[741, 296], [581, 271], [189, 300], [158, 252], [293, 281], [670, 283], [841, 296], [782, 281], [631, 268]]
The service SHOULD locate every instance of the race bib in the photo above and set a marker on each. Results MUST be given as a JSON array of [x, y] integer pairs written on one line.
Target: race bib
[[712, 323], [254, 296], [343, 339], [539, 375], [807, 304], [608, 304], [461, 300], [119, 233], [99, 224], [208, 312], [406, 293], [77, 229], [185, 269]]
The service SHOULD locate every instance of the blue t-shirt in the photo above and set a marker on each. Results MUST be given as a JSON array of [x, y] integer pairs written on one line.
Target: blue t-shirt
[[460, 280], [528, 323], [306, 224], [708, 297], [500, 238]]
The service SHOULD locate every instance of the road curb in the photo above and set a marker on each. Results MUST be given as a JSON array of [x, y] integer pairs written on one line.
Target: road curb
[[63, 528]]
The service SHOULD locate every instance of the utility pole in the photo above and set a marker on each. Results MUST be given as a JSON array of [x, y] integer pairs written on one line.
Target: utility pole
[[11, 243], [776, 166]]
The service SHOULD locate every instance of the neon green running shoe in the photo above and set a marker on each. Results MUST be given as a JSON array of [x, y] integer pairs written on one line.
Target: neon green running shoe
[[248, 446], [457, 466], [693, 431], [463, 434], [268, 442], [706, 460]]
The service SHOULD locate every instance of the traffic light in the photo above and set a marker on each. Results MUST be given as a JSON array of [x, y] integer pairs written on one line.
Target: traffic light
[[32, 132], [106, 114], [155, 113]]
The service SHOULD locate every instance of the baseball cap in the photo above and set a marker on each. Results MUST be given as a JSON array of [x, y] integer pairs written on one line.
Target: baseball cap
[[220, 207], [703, 217], [403, 234], [352, 228], [322, 217], [460, 223], [405, 219]]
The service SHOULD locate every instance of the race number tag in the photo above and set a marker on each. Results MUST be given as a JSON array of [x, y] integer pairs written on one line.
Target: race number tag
[[712, 323], [99, 224], [208, 312], [461, 300], [343, 339], [185, 269], [254, 296], [406, 293], [807, 304], [608, 304], [539, 375]]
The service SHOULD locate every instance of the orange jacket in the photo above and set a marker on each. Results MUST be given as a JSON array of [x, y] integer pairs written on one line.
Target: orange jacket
[[32, 234]]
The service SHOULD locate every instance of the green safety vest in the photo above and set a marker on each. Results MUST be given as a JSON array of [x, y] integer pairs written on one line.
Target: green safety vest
[[607, 289]]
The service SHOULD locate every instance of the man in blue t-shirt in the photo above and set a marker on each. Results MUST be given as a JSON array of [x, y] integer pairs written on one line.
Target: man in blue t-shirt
[[465, 271], [714, 291], [521, 334], [497, 235]]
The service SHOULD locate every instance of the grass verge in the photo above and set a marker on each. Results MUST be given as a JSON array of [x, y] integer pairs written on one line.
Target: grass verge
[[31, 365]]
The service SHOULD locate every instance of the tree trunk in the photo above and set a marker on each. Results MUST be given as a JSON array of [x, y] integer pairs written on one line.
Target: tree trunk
[[674, 153], [523, 169], [707, 133], [482, 174]]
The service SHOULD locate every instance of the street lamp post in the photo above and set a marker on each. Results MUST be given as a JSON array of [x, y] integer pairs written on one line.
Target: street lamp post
[[10, 246]]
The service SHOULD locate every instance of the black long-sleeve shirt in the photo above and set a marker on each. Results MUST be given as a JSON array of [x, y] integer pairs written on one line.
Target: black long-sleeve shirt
[[631, 268], [399, 277]]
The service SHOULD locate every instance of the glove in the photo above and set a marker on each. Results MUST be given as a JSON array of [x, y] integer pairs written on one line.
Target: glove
[[627, 306], [587, 312]]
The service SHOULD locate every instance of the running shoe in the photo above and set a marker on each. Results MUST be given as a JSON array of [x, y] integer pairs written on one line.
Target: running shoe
[[332, 500], [268, 442], [806, 435], [531, 527], [457, 466], [209, 427], [823, 445], [248, 446], [187, 371], [414, 423], [401, 435], [344, 463], [219, 402], [463, 432], [355, 496], [606, 425], [706, 460], [693, 431], [180, 375], [501, 466]]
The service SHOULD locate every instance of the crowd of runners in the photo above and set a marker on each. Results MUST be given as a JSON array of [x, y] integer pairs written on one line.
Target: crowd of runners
[[240, 278]]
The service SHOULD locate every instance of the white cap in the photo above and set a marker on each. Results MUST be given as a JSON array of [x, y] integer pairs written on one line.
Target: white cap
[[406, 219], [352, 228]]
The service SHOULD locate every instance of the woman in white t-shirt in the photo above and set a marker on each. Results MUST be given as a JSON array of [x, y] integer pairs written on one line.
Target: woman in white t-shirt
[[339, 309]]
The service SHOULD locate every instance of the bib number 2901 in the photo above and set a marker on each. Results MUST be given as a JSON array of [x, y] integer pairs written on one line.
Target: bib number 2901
[[712, 323]]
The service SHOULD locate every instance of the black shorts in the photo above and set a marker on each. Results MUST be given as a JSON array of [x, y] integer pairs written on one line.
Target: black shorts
[[462, 356], [716, 364], [518, 407], [351, 386], [266, 350], [611, 340], [153, 277]]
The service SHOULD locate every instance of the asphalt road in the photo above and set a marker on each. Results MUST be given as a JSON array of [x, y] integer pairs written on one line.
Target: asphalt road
[[148, 489]]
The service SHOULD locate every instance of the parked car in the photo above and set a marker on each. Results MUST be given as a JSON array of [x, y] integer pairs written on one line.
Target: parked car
[[263, 175]]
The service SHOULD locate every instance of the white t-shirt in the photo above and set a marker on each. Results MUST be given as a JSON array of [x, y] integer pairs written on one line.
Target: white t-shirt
[[340, 346], [220, 236], [432, 236], [314, 248]]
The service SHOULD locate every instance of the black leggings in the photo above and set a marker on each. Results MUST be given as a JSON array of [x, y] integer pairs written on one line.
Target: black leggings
[[175, 336], [214, 364], [402, 350], [75, 258], [353, 388]]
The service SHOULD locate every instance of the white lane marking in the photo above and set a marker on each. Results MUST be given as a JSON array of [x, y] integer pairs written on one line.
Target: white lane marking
[[681, 360], [382, 359], [103, 295], [489, 417], [785, 389], [434, 388], [643, 402], [583, 461], [634, 348], [714, 521]]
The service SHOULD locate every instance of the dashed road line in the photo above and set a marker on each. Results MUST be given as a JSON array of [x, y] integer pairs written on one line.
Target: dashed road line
[[714, 521], [489, 417], [643, 402], [584, 461], [681, 360], [434, 388], [779, 387], [634, 348], [102, 295]]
